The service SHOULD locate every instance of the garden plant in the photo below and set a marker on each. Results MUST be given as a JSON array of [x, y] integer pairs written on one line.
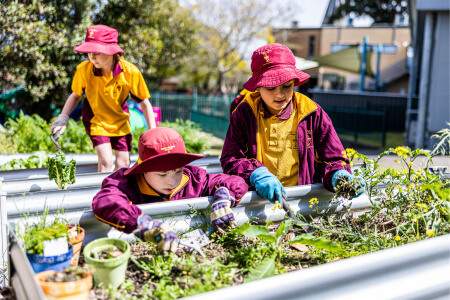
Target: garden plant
[[408, 205]]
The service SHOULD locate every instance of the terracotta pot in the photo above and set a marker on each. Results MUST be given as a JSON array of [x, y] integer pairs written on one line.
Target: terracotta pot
[[72, 290], [76, 242]]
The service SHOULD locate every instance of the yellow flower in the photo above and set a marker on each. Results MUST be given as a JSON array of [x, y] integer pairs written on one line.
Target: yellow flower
[[277, 205], [414, 220], [405, 171], [430, 232], [425, 210], [350, 151], [343, 163], [397, 238], [397, 161], [401, 151]]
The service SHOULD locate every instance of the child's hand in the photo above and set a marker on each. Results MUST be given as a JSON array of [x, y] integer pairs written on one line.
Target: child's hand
[[157, 232], [59, 125], [267, 185], [344, 175], [222, 215]]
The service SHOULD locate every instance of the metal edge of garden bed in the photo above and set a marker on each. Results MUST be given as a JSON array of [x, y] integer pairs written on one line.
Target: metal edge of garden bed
[[89, 165], [413, 271]]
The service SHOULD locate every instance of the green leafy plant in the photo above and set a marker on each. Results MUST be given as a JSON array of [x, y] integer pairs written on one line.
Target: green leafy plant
[[276, 242], [35, 234], [63, 173], [38, 160]]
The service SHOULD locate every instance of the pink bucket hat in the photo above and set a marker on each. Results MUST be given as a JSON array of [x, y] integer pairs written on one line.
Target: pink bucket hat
[[100, 39], [161, 149], [273, 65]]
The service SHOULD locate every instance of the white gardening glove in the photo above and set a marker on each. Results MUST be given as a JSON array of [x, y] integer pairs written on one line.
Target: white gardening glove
[[59, 125]]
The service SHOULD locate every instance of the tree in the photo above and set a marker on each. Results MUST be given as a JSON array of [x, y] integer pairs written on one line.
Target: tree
[[36, 44], [229, 31], [37, 38], [381, 11]]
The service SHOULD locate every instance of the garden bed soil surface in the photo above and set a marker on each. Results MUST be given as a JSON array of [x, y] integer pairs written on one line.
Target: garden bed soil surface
[[297, 258]]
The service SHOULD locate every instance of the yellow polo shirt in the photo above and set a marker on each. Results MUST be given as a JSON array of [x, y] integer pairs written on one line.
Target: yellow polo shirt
[[278, 144], [106, 95]]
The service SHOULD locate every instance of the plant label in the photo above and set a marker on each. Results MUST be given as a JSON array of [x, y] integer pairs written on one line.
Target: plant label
[[56, 247]]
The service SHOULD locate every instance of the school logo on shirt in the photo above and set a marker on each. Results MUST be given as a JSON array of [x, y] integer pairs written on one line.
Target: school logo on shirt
[[91, 33], [266, 56], [168, 148], [309, 138]]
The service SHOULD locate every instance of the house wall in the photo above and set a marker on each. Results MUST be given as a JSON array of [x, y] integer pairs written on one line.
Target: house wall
[[400, 36]]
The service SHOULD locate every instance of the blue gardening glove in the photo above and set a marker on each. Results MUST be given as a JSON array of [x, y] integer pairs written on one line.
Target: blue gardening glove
[[343, 175], [157, 232], [267, 185], [222, 215]]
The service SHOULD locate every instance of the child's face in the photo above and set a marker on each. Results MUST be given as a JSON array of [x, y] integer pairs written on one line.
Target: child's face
[[277, 98], [101, 60], [164, 182]]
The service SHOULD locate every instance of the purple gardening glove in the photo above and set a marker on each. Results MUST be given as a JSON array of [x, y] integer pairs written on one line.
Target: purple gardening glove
[[222, 215], [157, 232]]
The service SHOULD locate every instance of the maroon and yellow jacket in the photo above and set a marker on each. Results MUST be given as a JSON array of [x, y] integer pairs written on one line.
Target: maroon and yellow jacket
[[320, 151], [116, 202]]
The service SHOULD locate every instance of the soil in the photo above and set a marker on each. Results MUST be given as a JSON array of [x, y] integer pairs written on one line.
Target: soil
[[296, 259], [68, 275]]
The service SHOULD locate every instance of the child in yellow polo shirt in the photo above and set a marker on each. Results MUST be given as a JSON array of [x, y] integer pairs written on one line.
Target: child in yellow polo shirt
[[107, 80]]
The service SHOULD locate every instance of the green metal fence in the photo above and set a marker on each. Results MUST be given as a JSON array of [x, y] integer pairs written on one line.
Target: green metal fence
[[359, 125], [212, 113]]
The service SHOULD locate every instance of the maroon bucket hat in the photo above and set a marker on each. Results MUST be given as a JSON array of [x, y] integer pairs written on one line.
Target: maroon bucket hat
[[272, 65], [100, 39], [161, 149]]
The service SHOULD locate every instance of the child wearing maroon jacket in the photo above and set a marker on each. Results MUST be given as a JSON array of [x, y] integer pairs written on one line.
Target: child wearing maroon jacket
[[162, 174], [278, 137]]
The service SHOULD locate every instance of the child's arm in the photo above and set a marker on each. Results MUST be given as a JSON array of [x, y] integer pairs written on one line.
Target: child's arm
[[59, 125], [147, 110], [239, 149], [329, 149], [113, 205]]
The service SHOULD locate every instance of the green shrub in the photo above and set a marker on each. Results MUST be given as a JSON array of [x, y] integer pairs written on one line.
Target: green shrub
[[196, 141]]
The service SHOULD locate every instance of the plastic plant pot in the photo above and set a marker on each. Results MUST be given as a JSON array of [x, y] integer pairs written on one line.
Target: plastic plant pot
[[108, 273], [41, 263], [72, 290], [76, 242]]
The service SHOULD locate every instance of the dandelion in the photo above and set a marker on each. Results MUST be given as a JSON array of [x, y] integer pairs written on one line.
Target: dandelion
[[430, 232], [397, 238]]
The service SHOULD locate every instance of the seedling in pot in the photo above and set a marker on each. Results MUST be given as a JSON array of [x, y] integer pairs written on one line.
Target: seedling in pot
[[69, 274], [108, 253]]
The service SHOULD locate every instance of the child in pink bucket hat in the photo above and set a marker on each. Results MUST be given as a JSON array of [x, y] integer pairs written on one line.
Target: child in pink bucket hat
[[278, 137], [106, 80], [161, 174]]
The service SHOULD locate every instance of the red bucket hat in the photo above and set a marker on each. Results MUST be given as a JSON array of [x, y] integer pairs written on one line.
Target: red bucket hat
[[100, 39], [273, 65], [161, 149]]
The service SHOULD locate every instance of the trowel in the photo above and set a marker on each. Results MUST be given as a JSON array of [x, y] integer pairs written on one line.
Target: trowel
[[54, 138]]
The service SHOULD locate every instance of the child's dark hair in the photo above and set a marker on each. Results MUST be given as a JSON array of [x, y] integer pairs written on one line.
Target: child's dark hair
[[117, 57]]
